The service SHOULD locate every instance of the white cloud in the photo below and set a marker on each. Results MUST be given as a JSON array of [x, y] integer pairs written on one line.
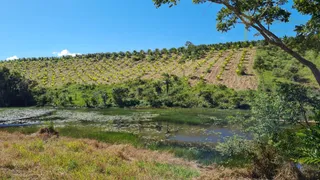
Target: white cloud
[[12, 58], [65, 52]]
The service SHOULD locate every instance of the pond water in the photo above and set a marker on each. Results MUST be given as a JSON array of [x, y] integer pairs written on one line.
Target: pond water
[[181, 125]]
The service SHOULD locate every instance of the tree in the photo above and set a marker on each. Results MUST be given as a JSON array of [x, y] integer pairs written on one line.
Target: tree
[[173, 50], [119, 96], [104, 97], [188, 44], [128, 54], [14, 90], [121, 54], [150, 52], [260, 14], [114, 55], [157, 86], [167, 81], [142, 54]]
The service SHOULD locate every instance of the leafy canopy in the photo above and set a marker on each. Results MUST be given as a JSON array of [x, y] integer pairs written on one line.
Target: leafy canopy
[[254, 13]]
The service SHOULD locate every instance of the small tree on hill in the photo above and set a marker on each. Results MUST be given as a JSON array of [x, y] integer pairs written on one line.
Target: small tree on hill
[[167, 81]]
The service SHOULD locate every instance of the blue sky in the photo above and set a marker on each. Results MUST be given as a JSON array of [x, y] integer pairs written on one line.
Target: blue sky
[[36, 28]]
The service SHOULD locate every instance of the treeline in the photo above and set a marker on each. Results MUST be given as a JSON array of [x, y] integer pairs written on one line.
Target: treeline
[[170, 91], [189, 51]]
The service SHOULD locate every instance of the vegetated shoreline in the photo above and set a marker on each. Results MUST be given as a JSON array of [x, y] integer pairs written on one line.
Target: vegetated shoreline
[[39, 157], [203, 152], [234, 169], [176, 115], [145, 93]]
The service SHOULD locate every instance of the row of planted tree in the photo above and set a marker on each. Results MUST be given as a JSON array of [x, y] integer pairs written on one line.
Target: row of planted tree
[[108, 71], [189, 51]]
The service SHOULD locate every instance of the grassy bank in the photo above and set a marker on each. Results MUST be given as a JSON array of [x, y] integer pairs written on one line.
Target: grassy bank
[[197, 152], [84, 132], [30, 157]]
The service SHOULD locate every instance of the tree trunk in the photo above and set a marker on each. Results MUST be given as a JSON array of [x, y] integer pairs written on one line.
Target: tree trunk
[[167, 84], [315, 71], [275, 40]]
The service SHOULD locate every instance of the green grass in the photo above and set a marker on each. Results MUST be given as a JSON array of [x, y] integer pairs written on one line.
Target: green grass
[[85, 132], [192, 116], [204, 157], [268, 79], [97, 134], [280, 66], [201, 155], [23, 130], [192, 119]]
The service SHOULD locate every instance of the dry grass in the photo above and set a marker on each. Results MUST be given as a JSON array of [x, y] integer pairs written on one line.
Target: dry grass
[[217, 173], [32, 157]]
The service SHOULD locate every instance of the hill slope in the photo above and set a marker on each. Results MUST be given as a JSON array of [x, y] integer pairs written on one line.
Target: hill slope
[[215, 67], [229, 64]]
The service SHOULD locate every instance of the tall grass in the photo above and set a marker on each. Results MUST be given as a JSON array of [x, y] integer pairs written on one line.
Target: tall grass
[[103, 136], [32, 158], [85, 132]]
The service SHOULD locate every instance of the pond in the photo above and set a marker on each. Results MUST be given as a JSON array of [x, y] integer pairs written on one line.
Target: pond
[[180, 125]]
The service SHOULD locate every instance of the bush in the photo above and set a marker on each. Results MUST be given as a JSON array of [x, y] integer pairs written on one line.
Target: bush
[[152, 93], [119, 95], [235, 146], [274, 116], [155, 103]]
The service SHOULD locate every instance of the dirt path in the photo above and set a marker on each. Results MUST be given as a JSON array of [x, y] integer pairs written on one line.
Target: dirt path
[[230, 77], [211, 78]]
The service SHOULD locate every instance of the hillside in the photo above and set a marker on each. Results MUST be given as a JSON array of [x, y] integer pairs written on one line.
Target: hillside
[[216, 65], [215, 76]]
